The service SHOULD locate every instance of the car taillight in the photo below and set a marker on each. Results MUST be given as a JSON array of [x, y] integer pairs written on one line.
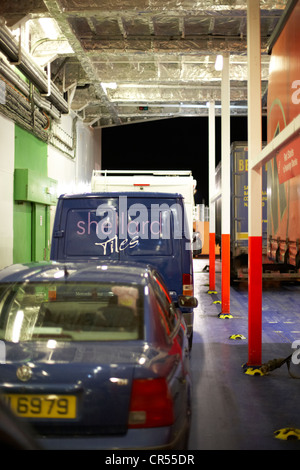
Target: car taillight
[[187, 285], [151, 404]]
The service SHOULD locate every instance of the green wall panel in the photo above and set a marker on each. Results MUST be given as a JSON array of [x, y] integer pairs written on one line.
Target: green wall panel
[[22, 232], [30, 186], [32, 198], [30, 152]]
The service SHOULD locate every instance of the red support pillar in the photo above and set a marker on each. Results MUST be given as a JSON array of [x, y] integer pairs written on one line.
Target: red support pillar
[[254, 301], [254, 186], [212, 259], [225, 175], [225, 283]]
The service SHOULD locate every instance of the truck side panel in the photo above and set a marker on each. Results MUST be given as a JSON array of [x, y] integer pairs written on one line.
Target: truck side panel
[[239, 209], [284, 170]]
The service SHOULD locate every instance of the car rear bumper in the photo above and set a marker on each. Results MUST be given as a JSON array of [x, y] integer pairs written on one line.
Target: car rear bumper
[[135, 439]]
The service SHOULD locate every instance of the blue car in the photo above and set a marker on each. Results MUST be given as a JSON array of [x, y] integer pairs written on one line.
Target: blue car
[[94, 356]]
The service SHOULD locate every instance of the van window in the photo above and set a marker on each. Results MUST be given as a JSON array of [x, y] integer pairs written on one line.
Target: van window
[[154, 232], [96, 231], [146, 232]]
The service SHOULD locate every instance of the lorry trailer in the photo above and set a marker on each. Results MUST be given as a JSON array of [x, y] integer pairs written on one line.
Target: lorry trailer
[[283, 243], [239, 211]]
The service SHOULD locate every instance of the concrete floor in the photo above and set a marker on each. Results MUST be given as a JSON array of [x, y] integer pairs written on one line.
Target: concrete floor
[[233, 410]]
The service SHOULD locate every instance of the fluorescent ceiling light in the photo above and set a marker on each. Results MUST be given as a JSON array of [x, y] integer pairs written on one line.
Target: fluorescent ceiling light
[[49, 28], [111, 85], [219, 63]]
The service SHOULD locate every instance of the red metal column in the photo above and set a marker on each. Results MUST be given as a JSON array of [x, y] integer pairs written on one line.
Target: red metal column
[[212, 261], [225, 171], [255, 301], [225, 283], [254, 186]]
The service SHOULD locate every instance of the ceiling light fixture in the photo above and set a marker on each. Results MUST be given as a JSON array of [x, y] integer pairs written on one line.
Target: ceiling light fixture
[[219, 63], [49, 28], [110, 85]]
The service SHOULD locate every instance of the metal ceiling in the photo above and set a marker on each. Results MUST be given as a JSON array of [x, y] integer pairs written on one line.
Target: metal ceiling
[[124, 61]]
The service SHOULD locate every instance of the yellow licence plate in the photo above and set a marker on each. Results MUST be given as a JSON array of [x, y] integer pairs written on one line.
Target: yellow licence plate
[[42, 406]]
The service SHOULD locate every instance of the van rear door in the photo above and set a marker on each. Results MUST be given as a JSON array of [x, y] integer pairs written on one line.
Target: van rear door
[[155, 227], [85, 228], [148, 228]]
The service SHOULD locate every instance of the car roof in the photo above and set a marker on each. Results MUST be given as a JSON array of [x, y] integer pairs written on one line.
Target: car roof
[[77, 271], [133, 194]]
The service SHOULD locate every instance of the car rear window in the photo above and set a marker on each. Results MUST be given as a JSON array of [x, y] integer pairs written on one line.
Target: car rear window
[[71, 312]]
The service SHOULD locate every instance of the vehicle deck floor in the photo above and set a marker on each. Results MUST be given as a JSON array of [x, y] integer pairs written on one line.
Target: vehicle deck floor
[[233, 410]]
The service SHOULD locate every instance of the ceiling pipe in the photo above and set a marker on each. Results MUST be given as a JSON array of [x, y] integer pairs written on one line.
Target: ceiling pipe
[[16, 81], [10, 48]]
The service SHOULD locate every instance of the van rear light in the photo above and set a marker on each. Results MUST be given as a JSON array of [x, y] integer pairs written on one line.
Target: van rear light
[[187, 285], [151, 404]]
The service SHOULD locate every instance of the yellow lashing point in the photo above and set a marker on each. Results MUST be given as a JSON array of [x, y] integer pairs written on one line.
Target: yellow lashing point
[[225, 316], [212, 292], [216, 301], [237, 337], [269, 366], [288, 434], [253, 370]]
